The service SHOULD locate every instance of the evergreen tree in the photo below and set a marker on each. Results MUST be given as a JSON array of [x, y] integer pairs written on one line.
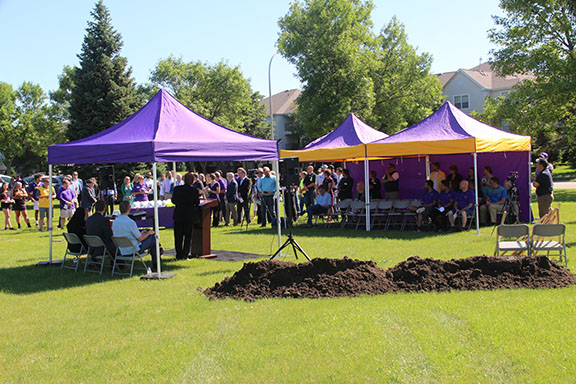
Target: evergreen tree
[[103, 91]]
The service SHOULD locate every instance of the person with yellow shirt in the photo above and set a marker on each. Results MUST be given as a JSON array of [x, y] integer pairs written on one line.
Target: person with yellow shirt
[[437, 175], [43, 196]]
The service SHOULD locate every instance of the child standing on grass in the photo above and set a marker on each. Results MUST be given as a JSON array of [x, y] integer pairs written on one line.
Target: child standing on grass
[[6, 202], [20, 196]]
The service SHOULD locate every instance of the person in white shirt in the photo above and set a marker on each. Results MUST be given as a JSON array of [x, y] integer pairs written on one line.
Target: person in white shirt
[[124, 226]]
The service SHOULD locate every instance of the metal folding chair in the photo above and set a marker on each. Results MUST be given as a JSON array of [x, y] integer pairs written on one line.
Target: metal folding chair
[[121, 260], [396, 215], [542, 239], [409, 214], [356, 208], [512, 231], [73, 239], [339, 210], [93, 258], [381, 214]]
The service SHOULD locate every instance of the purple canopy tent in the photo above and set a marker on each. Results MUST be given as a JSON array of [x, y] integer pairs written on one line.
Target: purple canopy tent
[[344, 143], [451, 136], [164, 130]]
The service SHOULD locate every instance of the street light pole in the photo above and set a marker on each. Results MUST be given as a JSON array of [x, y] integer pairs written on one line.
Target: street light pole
[[275, 164]]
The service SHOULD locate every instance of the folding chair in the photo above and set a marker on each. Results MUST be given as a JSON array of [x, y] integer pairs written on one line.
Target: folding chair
[[408, 214], [471, 219], [356, 208], [73, 239], [542, 235], [381, 214], [95, 259], [361, 217], [396, 214], [339, 210], [512, 231], [121, 260]]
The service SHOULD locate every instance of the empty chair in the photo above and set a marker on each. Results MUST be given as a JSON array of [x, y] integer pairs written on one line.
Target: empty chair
[[361, 217], [396, 214], [74, 240], [519, 232], [410, 214], [356, 208], [340, 209], [381, 214], [96, 254], [550, 238], [126, 260]]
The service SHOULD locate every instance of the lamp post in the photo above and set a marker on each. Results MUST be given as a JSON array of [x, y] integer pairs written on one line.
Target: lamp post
[[275, 164]]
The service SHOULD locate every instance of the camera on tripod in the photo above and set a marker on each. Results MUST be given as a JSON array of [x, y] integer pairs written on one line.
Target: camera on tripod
[[512, 177]]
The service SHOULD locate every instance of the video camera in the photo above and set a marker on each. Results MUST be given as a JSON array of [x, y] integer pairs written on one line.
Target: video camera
[[512, 177]]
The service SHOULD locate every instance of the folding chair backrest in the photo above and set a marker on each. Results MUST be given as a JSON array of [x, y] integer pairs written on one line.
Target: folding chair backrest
[[72, 238], [357, 204], [385, 205], [123, 242], [513, 230], [94, 241], [401, 204], [343, 204], [548, 230]]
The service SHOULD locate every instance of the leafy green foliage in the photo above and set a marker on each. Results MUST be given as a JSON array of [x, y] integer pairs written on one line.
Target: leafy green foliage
[[346, 68], [103, 92], [539, 38], [218, 92], [28, 124]]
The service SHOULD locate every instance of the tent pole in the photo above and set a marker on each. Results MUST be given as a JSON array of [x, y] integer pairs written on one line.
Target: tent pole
[[427, 167], [173, 171], [276, 165], [367, 192], [476, 192], [530, 216], [50, 214], [156, 221]]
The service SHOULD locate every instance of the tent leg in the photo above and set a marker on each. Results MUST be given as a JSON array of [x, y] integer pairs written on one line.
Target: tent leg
[[476, 192], [530, 214], [276, 165], [158, 275], [174, 170], [427, 167], [367, 191], [49, 225]]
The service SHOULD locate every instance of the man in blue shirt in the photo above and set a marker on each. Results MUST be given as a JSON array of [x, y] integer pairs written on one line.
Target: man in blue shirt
[[267, 190], [495, 198], [463, 205], [428, 207], [323, 204], [124, 226]]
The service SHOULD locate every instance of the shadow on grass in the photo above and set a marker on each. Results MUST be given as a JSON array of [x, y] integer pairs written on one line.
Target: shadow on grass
[[301, 230], [563, 195], [33, 279]]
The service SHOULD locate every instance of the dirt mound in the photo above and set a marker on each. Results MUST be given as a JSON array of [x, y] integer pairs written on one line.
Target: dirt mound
[[348, 277]]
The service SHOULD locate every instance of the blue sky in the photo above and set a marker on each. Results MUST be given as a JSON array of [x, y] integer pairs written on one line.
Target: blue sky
[[39, 37]]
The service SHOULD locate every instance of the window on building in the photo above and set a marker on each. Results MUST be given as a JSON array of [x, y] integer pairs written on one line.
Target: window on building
[[462, 101]]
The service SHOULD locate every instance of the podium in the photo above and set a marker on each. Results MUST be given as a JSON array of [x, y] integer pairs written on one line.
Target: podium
[[201, 246]]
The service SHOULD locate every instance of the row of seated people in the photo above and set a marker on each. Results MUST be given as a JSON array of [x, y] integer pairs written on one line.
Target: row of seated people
[[123, 226], [440, 208]]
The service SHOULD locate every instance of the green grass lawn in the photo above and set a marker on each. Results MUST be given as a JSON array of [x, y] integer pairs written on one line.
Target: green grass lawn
[[60, 326], [563, 172]]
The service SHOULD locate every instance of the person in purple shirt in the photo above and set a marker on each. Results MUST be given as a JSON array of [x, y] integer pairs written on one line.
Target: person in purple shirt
[[140, 190], [445, 204], [222, 195], [428, 207], [67, 198], [463, 205]]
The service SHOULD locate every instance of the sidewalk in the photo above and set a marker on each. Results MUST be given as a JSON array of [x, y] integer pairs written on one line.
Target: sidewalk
[[565, 185]]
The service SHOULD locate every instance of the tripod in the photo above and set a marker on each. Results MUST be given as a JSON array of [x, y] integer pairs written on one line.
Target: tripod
[[289, 208]]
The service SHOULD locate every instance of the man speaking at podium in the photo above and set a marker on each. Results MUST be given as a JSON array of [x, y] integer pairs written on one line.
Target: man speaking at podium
[[186, 212]]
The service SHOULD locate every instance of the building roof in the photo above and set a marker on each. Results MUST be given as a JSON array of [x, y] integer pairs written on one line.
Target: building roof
[[485, 76], [283, 103]]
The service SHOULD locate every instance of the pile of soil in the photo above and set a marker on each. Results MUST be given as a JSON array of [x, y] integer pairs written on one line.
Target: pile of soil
[[348, 277]]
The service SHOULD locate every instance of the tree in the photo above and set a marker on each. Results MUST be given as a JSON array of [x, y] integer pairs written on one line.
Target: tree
[[405, 91], [326, 40], [28, 124], [103, 92], [538, 38], [218, 92], [346, 68]]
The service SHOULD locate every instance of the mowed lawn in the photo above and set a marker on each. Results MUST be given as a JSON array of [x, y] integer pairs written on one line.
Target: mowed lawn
[[65, 327]]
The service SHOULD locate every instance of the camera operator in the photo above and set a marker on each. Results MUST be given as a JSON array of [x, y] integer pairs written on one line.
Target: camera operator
[[544, 187]]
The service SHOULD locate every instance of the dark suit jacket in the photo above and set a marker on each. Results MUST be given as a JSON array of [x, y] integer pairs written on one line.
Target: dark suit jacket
[[98, 225], [244, 188], [186, 200]]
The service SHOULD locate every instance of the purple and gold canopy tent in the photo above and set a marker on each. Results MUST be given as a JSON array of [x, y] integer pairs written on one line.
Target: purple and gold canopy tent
[[164, 130], [343, 143]]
